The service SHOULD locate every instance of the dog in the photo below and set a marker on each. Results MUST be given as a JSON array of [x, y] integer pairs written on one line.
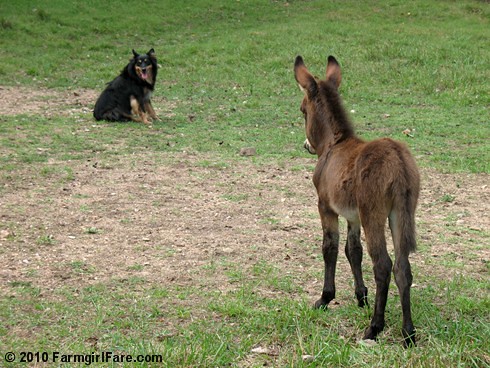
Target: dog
[[128, 96]]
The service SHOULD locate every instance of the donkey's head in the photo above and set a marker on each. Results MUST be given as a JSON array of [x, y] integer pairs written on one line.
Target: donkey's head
[[325, 120]]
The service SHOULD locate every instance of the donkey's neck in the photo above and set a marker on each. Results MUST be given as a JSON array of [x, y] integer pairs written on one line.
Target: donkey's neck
[[336, 124]]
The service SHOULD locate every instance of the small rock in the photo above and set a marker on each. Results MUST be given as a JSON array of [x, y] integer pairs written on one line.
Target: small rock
[[248, 151], [308, 358], [408, 133], [4, 234], [260, 350]]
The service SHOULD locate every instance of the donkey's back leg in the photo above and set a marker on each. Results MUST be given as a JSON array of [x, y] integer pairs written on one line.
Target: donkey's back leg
[[330, 250], [353, 251], [403, 277], [382, 265]]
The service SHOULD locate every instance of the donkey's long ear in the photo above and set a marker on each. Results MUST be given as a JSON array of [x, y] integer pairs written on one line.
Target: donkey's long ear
[[333, 71], [305, 80]]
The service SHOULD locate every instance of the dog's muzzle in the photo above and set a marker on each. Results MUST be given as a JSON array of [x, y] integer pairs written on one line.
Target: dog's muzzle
[[309, 147]]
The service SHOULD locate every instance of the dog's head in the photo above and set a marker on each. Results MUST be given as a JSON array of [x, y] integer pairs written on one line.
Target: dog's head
[[145, 66]]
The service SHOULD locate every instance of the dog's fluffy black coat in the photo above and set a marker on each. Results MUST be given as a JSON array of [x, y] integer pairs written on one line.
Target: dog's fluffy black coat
[[127, 97]]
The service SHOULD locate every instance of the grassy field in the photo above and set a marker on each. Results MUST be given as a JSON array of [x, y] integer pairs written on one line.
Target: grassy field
[[226, 83]]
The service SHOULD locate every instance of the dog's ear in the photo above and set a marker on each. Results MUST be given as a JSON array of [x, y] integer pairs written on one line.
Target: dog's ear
[[152, 56], [333, 71], [135, 54], [306, 81]]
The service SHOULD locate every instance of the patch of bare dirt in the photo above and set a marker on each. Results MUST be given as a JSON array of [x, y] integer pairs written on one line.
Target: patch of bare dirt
[[18, 100], [169, 220], [173, 219], [453, 222]]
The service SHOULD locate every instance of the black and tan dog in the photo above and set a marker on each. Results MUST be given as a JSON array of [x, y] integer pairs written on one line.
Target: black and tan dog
[[128, 96]]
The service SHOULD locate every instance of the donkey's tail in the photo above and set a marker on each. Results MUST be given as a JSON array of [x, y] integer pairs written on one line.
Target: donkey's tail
[[405, 196]]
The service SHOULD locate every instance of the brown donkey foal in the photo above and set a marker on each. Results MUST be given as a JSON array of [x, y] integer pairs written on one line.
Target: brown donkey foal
[[365, 182]]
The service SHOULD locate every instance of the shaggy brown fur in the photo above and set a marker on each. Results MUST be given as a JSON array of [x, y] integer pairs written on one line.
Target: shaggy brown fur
[[367, 183]]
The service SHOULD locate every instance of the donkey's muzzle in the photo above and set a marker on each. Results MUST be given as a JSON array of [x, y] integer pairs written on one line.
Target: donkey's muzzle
[[309, 147]]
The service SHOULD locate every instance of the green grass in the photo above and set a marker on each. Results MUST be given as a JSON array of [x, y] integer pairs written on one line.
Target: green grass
[[227, 79], [228, 65], [133, 317]]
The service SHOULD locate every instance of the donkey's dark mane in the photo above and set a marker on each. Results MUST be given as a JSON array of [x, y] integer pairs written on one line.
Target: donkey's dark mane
[[339, 122]]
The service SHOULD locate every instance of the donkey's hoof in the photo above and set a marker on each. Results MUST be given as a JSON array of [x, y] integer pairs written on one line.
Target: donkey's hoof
[[371, 333], [362, 298], [363, 302], [409, 339], [320, 304]]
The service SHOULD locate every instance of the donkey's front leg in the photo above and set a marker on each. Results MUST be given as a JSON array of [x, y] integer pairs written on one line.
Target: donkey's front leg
[[330, 250], [353, 251]]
